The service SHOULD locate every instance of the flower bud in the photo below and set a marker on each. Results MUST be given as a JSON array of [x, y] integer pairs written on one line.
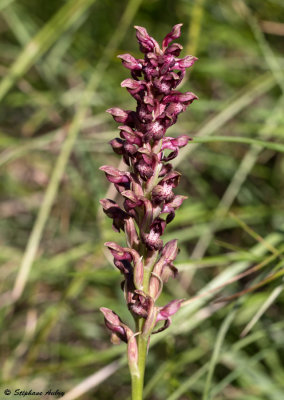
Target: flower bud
[[133, 86], [130, 62], [151, 319], [121, 179], [174, 49], [131, 202], [118, 252], [166, 312], [178, 97], [175, 143], [174, 34], [117, 145], [118, 114], [146, 42], [114, 324], [131, 233], [170, 250], [114, 175], [138, 270]]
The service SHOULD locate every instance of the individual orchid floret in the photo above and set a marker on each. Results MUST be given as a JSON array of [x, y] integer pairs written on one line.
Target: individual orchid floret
[[114, 324], [121, 179], [112, 210], [185, 62], [174, 49], [174, 144], [166, 312], [118, 252], [130, 62], [170, 309], [163, 192], [172, 206], [146, 42], [174, 34], [152, 239], [132, 201], [131, 136], [119, 115], [134, 87], [177, 103], [120, 331], [141, 303]]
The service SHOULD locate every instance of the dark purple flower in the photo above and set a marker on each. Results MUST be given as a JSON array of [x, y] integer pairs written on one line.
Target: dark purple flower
[[163, 192], [174, 144], [177, 102], [134, 87], [131, 136], [155, 130], [112, 210], [132, 203], [121, 179], [118, 252], [141, 303], [170, 207], [152, 239]]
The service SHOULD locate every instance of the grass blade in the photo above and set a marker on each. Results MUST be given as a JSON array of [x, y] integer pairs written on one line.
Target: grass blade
[[216, 352], [43, 40], [270, 300]]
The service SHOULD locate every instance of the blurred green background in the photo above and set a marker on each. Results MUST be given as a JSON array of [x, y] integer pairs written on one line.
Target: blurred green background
[[59, 72]]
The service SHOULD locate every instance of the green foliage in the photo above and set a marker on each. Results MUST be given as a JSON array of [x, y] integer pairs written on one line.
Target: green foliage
[[59, 72]]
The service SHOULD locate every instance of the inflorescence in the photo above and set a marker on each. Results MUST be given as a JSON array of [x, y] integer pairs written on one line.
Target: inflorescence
[[149, 202]]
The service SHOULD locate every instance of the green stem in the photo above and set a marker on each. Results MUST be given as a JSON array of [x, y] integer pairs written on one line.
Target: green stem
[[137, 381]]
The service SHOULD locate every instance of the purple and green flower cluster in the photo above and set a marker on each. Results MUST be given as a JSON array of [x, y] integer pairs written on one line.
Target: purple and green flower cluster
[[147, 188]]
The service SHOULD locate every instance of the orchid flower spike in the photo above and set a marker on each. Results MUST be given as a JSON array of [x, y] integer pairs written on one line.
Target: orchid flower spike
[[147, 189]]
